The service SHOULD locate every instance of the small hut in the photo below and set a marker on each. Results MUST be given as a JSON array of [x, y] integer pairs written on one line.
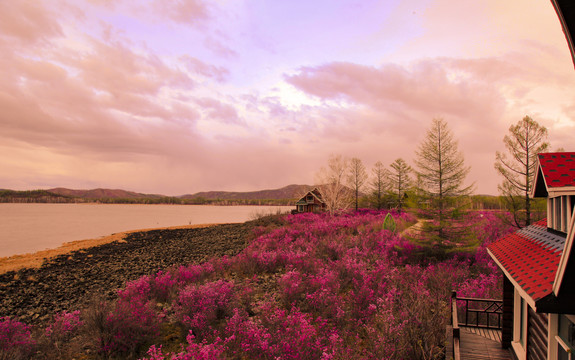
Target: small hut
[[310, 202]]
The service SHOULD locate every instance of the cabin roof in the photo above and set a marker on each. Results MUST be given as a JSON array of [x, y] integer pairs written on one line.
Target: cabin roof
[[554, 170], [530, 258]]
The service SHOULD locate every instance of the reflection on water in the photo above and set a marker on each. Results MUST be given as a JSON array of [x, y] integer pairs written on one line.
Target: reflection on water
[[26, 228]]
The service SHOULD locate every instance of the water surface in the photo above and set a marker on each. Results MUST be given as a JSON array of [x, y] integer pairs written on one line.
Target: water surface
[[26, 228]]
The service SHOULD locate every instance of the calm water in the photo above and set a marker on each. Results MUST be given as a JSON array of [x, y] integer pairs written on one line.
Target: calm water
[[26, 228]]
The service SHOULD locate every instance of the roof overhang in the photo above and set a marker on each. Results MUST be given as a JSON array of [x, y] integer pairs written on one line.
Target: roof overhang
[[566, 12], [548, 304], [558, 191], [522, 292]]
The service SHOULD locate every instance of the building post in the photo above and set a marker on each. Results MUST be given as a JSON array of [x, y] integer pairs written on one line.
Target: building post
[[507, 322]]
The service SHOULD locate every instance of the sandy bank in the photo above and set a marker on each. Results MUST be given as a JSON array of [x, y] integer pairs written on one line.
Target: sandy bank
[[35, 260]]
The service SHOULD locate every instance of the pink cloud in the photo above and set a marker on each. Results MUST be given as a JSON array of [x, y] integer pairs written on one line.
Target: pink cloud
[[183, 11], [116, 69], [218, 48], [425, 88], [216, 110], [197, 66], [28, 22]]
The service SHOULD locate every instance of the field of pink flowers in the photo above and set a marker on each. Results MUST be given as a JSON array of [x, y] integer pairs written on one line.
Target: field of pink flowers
[[318, 287]]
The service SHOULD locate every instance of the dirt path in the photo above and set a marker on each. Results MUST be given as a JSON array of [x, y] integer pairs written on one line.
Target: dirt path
[[414, 229]]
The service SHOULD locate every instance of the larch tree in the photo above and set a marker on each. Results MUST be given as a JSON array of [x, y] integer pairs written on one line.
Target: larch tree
[[399, 179], [356, 178], [378, 184], [525, 140], [331, 183], [442, 171]]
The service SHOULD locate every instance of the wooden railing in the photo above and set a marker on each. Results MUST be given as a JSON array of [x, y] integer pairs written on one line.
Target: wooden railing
[[455, 327], [483, 313], [480, 313]]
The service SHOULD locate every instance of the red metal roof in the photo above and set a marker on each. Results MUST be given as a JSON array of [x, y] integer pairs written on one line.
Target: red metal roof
[[558, 168], [531, 257]]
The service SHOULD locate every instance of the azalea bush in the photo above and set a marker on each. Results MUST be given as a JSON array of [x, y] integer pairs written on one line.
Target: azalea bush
[[16, 340], [316, 287]]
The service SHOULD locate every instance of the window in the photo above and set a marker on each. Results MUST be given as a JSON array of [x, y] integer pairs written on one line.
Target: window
[[564, 213], [557, 213], [565, 338]]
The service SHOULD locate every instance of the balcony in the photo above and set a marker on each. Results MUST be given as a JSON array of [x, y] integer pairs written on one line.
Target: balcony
[[475, 330]]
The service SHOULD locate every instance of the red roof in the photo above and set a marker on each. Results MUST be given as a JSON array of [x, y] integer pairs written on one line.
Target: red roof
[[530, 256], [558, 168]]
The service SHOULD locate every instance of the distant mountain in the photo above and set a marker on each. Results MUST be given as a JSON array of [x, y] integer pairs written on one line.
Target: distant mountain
[[287, 192], [282, 196], [103, 194], [31, 196]]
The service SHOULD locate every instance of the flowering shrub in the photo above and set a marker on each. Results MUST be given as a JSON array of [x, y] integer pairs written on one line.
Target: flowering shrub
[[15, 339], [199, 306], [318, 287], [64, 325], [123, 328]]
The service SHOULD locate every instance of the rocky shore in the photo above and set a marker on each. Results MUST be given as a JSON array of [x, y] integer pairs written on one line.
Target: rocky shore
[[68, 282]]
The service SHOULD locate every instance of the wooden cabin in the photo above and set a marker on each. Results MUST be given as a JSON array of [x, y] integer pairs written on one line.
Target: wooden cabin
[[310, 202], [539, 269]]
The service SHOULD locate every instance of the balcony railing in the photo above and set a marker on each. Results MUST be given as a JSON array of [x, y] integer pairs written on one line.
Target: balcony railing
[[480, 313], [472, 313]]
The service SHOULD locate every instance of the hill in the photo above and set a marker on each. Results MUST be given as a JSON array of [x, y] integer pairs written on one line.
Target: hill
[[32, 196], [103, 194], [288, 192]]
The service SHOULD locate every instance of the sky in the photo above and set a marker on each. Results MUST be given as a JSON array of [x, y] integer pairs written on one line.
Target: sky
[[177, 97]]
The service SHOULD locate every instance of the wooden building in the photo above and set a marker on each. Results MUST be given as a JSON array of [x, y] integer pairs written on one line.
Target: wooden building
[[310, 202], [539, 269]]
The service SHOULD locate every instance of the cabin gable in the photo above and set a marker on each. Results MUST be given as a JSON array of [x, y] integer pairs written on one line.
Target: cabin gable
[[312, 201], [555, 180]]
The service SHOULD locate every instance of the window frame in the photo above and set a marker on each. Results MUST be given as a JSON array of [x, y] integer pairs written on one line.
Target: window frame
[[520, 323]]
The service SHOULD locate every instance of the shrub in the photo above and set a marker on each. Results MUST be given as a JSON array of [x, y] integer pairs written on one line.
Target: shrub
[[59, 333], [15, 340], [121, 329], [199, 306]]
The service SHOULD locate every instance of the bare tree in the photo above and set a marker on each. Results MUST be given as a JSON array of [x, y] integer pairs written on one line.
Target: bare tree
[[399, 180], [525, 140], [331, 183], [356, 178], [378, 184], [441, 170]]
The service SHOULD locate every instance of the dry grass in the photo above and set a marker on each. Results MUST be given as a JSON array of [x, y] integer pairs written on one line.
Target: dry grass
[[35, 260]]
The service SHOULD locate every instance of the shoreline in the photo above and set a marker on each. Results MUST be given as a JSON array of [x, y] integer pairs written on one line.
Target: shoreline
[[36, 259], [72, 280]]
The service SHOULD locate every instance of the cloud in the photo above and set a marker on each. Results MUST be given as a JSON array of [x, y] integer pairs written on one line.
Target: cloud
[[428, 88], [216, 110], [28, 22], [197, 66], [219, 48], [183, 11]]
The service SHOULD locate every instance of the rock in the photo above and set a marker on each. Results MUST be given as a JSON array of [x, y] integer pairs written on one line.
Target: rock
[[68, 282]]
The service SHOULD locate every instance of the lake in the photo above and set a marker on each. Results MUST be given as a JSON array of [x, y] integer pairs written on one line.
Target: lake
[[26, 228]]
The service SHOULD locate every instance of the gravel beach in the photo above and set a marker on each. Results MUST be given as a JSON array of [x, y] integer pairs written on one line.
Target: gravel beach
[[69, 281]]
